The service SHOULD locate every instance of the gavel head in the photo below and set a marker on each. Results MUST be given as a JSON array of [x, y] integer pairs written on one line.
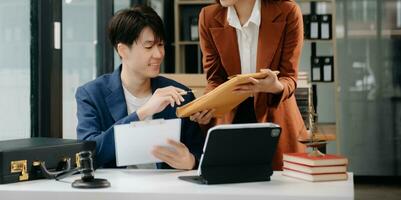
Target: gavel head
[[86, 169], [86, 164]]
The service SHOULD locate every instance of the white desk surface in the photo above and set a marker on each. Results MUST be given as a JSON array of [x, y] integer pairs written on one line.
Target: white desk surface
[[163, 184]]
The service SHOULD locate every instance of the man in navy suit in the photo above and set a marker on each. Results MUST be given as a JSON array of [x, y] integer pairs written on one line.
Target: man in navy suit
[[135, 92]]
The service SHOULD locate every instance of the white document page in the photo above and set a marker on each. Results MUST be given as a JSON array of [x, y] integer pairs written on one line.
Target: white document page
[[134, 142]]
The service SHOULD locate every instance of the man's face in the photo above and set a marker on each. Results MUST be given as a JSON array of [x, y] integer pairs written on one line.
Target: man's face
[[145, 55]]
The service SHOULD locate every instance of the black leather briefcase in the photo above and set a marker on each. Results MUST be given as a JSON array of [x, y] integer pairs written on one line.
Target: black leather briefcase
[[20, 159]]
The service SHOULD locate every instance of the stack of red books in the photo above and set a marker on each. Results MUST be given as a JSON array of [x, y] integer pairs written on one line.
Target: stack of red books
[[323, 168]]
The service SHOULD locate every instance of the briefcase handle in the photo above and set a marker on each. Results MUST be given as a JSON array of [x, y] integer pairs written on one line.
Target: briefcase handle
[[53, 175], [84, 166]]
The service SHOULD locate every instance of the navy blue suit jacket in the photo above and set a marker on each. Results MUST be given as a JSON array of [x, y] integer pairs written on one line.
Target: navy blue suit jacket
[[101, 105]]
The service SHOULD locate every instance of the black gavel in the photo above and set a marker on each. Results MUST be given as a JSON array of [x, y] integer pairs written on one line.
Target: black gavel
[[84, 167]]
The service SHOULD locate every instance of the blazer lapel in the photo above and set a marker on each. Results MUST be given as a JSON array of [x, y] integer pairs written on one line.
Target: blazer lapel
[[225, 39], [116, 100], [270, 33]]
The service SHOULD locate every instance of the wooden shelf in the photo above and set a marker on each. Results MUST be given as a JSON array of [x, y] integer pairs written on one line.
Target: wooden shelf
[[373, 33], [319, 41], [308, 1], [194, 2], [186, 43], [196, 82], [323, 82], [392, 32]]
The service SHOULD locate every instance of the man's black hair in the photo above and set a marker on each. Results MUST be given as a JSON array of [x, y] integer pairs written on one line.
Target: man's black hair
[[127, 24]]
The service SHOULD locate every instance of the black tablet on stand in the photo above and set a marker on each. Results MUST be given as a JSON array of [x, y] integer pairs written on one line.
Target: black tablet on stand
[[235, 153]]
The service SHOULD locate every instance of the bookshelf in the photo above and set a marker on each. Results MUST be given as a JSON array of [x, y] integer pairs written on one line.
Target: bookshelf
[[324, 89], [303, 96], [181, 42]]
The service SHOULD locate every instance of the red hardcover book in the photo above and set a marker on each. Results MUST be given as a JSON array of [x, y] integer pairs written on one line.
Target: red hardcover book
[[315, 169], [315, 177], [305, 159]]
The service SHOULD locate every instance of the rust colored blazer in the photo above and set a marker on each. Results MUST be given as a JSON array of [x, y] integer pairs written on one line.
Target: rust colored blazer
[[279, 48]]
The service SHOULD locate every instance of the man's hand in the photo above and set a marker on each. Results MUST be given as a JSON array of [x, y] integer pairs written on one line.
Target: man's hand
[[270, 84], [177, 156], [203, 117], [160, 99]]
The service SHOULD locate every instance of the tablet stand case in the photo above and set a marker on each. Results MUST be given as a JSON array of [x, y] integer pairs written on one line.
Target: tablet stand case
[[20, 159], [237, 155]]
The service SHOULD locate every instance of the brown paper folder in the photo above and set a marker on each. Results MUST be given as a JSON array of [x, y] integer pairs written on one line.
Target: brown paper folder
[[222, 98]]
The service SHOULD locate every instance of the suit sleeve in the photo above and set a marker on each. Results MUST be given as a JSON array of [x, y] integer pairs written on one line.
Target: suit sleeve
[[215, 73], [292, 46], [89, 127]]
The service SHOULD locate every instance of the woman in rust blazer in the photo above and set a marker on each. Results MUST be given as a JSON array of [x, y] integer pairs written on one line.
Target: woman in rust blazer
[[279, 44]]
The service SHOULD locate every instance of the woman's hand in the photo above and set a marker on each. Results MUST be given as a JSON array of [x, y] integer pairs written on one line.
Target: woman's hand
[[177, 155], [160, 99], [270, 84], [203, 117]]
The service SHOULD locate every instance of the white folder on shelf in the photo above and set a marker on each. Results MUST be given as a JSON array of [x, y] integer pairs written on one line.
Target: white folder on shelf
[[398, 14], [325, 30], [327, 73], [135, 141], [316, 74], [314, 30]]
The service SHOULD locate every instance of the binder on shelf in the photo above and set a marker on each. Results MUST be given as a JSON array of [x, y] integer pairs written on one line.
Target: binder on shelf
[[328, 75], [322, 68], [316, 69], [314, 26], [192, 59], [398, 10], [194, 28], [326, 27], [306, 21], [189, 16]]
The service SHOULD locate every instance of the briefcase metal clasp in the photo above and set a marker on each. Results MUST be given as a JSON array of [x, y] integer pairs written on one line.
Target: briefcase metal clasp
[[20, 166], [77, 158]]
